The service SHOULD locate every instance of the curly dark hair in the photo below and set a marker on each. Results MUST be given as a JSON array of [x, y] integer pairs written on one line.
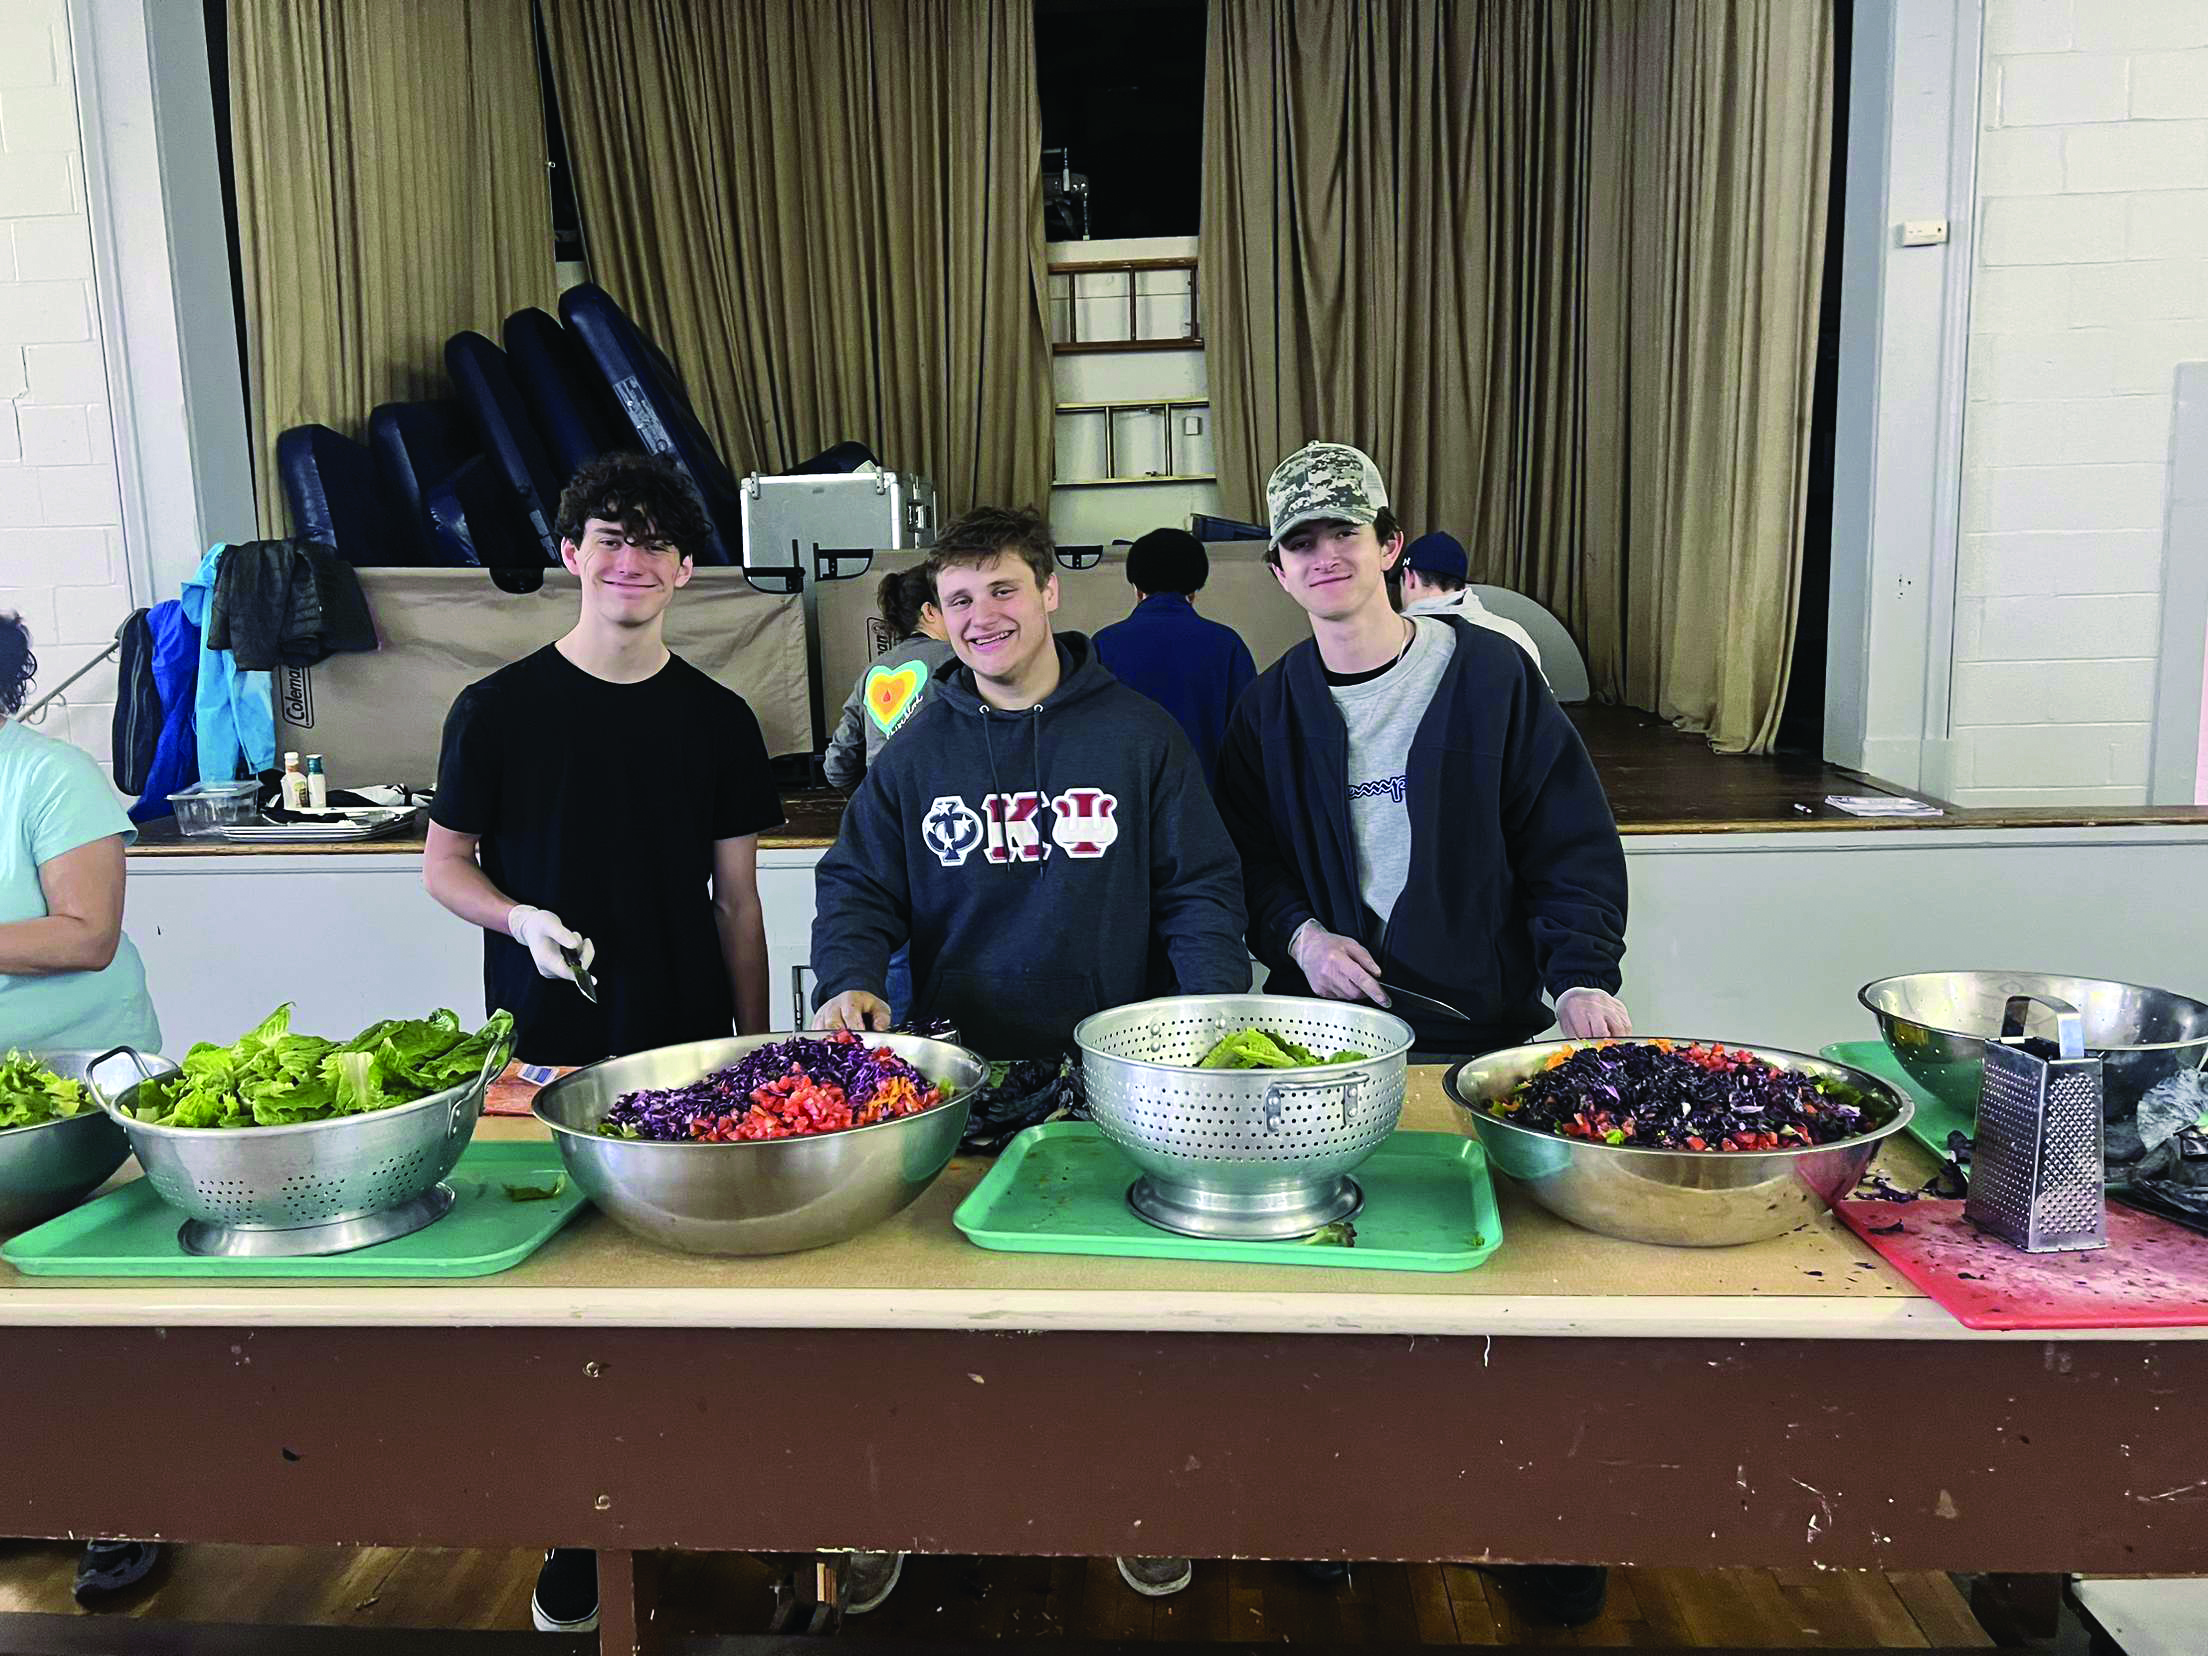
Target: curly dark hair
[[17, 665], [647, 494], [989, 532]]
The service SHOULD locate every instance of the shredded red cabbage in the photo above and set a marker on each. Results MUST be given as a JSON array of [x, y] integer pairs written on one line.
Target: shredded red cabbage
[[857, 1070], [1656, 1096]]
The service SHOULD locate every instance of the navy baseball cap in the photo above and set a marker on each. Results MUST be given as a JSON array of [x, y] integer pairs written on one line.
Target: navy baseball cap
[[1439, 553]]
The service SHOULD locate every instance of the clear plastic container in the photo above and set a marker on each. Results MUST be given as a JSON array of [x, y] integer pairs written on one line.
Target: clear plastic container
[[209, 807]]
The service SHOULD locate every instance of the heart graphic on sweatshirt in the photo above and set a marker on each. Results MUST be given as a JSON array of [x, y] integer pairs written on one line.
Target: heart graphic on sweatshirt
[[892, 693]]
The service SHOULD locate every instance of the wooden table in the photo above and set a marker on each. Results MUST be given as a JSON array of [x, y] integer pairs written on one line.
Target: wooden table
[[1794, 1403]]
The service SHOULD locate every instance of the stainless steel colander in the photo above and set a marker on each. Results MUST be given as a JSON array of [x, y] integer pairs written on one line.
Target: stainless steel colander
[[1243, 1153], [316, 1187]]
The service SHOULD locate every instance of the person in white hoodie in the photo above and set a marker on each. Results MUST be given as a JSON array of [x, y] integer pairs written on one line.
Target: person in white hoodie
[[1435, 571]]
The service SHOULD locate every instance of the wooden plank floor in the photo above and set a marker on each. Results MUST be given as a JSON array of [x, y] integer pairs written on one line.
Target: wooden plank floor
[[966, 1598]]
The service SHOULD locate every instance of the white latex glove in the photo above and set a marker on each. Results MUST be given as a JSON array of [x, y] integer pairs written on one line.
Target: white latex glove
[[855, 1010], [1591, 1015], [544, 934], [1340, 968]]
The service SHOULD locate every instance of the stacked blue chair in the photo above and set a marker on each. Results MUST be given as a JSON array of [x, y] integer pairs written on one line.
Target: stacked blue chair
[[530, 478], [418, 447], [573, 409], [656, 410], [337, 498]]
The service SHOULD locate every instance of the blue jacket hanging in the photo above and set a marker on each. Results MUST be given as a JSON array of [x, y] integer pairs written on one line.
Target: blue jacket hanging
[[234, 712], [176, 682]]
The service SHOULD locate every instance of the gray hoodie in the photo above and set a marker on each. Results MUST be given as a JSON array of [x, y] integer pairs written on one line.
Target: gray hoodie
[[887, 694]]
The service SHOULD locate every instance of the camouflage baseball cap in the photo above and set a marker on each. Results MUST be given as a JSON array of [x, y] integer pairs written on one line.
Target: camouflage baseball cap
[[1321, 481]]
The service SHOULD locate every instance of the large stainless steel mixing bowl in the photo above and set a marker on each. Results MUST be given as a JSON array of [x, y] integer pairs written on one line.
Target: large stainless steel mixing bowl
[[49, 1168], [770, 1196], [1937, 1025], [1679, 1198]]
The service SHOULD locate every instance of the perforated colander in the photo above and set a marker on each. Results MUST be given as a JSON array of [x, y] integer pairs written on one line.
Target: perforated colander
[[1243, 1153], [313, 1187]]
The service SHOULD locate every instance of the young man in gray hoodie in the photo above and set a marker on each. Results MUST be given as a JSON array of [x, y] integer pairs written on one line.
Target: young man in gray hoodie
[[1039, 833]]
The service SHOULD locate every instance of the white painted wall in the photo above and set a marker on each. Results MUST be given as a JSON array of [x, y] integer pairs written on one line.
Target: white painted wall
[[62, 563], [1875, 901], [2091, 286], [1098, 516]]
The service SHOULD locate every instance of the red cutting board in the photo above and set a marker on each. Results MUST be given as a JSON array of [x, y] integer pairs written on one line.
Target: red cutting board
[[2152, 1274]]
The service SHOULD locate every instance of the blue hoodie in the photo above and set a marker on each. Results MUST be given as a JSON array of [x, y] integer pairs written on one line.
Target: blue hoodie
[[233, 712], [1044, 864]]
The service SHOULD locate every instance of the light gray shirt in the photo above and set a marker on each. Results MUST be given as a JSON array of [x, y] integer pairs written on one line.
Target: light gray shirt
[[888, 692], [1382, 715]]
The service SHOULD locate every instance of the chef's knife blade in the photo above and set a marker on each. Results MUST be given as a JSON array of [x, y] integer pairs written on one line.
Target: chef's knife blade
[[1423, 1003], [583, 978]]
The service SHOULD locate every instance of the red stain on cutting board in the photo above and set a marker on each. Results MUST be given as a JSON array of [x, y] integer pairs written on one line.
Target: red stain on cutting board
[[2152, 1274]]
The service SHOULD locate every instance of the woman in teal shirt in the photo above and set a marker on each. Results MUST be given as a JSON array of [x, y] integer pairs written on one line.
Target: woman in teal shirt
[[69, 979]]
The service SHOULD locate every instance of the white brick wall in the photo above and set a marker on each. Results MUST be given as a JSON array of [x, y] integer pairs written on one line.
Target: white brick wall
[[61, 537], [2091, 286]]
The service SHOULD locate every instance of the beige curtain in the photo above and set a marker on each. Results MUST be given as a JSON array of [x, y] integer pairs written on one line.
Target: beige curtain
[[829, 214], [1555, 264], [390, 165]]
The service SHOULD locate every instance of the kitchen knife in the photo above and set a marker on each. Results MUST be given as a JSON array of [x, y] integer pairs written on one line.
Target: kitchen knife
[[583, 978], [1423, 1003]]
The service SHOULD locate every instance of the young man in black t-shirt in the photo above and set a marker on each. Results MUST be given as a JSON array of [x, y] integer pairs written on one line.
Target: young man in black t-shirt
[[602, 799]]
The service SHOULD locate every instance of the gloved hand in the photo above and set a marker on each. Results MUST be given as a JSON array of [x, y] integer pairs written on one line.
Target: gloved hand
[[1340, 968], [544, 934], [1589, 1014], [855, 1010]]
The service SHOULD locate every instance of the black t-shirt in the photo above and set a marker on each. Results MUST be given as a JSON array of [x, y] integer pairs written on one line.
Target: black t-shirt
[[602, 803]]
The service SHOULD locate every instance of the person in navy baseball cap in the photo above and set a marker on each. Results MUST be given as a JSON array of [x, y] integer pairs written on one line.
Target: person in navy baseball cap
[[1435, 570]]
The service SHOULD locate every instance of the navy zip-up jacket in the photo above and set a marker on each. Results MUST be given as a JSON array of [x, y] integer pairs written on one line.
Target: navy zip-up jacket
[[1516, 880]]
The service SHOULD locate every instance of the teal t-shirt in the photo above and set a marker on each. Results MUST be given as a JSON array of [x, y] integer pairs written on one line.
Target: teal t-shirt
[[52, 800]]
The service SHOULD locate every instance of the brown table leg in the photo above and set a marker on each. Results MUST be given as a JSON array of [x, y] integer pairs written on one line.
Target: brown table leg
[[628, 1601], [2018, 1609]]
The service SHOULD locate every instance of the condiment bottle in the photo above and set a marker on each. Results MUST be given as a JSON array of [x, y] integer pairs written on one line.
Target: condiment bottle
[[294, 784], [318, 785]]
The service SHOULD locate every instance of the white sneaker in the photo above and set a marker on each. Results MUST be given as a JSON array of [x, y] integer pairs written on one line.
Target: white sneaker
[[1156, 1577]]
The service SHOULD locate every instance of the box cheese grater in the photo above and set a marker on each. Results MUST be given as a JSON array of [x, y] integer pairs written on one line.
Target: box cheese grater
[[2036, 1177]]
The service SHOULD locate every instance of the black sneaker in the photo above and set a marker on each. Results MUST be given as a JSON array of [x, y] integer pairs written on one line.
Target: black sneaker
[[109, 1569], [1323, 1572], [1570, 1595], [566, 1599]]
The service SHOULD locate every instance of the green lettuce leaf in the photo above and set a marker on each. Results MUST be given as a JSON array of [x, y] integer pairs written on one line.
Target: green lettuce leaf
[[30, 1093]]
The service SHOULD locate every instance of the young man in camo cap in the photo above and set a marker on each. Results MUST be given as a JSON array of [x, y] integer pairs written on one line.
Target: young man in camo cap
[[1411, 804]]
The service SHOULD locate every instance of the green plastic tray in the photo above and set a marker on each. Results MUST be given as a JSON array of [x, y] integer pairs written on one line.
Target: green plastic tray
[[131, 1232], [1935, 1117], [1062, 1188]]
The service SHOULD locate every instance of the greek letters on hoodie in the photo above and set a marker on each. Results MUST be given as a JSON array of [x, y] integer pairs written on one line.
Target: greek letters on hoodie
[[1043, 864]]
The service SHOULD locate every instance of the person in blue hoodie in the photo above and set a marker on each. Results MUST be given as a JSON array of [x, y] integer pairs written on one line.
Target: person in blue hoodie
[[1040, 833], [1193, 668]]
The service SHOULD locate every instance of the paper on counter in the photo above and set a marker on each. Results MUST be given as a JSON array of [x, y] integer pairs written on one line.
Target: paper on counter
[[1882, 805]]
